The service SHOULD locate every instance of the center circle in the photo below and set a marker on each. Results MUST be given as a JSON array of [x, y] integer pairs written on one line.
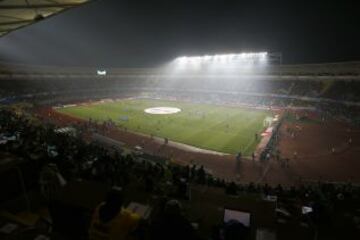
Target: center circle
[[162, 110]]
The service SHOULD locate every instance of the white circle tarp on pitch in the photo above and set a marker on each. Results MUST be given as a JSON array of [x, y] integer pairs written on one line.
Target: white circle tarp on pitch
[[162, 110]]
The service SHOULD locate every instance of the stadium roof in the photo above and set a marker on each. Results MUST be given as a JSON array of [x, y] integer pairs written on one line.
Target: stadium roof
[[15, 14]]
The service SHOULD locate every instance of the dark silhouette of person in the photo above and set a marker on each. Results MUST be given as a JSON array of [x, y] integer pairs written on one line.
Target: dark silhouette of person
[[110, 221], [171, 224]]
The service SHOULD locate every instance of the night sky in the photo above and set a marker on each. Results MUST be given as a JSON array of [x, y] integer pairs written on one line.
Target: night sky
[[133, 33]]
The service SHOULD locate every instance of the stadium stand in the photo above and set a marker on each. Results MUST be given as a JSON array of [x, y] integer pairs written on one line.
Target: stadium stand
[[76, 160], [70, 175], [67, 178]]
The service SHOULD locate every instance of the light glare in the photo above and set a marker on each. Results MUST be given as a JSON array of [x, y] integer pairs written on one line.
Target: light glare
[[101, 72], [242, 57]]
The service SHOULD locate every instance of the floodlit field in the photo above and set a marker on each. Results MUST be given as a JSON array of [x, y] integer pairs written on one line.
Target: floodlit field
[[218, 128]]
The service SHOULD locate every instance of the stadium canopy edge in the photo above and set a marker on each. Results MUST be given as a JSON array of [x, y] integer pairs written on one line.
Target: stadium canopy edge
[[15, 14]]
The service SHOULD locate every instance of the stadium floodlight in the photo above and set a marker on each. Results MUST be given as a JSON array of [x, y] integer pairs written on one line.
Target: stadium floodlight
[[222, 58], [101, 72], [207, 57]]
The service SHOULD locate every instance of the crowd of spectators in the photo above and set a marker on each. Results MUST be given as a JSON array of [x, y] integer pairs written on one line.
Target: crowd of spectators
[[39, 88], [71, 158], [343, 90]]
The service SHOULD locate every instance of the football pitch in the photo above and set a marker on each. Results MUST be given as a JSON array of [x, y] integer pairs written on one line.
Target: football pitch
[[218, 128]]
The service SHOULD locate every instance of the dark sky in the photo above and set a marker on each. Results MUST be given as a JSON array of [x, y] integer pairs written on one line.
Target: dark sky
[[147, 33]]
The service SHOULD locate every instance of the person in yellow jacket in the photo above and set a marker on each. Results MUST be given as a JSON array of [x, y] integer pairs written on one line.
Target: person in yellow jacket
[[110, 221]]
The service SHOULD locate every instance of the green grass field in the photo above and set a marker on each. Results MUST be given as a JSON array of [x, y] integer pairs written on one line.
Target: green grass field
[[218, 128]]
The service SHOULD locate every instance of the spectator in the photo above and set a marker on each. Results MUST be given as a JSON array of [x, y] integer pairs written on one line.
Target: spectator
[[231, 189], [171, 224], [111, 222], [235, 230], [50, 180], [201, 175]]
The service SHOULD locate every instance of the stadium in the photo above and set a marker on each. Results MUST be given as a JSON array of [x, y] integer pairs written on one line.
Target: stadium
[[231, 138]]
